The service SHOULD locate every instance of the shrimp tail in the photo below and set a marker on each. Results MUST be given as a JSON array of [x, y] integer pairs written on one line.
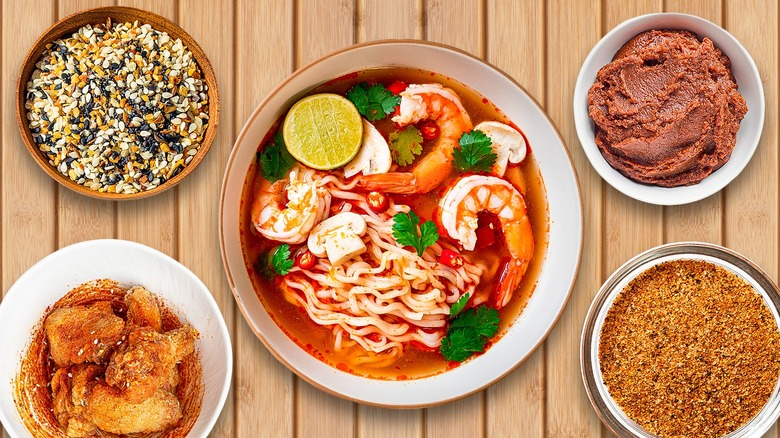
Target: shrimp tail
[[510, 273], [402, 183]]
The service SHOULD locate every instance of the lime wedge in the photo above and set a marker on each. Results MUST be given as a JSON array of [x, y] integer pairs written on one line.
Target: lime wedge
[[323, 131]]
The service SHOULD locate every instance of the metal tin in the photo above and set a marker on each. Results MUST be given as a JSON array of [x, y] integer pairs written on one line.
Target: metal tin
[[611, 415]]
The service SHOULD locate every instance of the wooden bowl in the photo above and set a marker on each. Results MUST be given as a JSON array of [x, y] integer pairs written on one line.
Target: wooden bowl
[[71, 24]]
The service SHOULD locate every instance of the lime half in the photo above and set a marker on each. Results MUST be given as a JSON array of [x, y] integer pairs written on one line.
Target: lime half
[[323, 131]]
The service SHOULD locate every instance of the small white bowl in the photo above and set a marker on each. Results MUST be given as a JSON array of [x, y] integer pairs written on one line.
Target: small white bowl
[[561, 259], [128, 263], [748, 80]]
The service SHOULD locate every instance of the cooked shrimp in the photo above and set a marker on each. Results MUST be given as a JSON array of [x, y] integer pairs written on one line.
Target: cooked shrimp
[[425, 102], [458, 211], [290, 222]]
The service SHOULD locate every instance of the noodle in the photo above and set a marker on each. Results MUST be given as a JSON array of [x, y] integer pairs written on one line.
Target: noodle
[[387, 298]]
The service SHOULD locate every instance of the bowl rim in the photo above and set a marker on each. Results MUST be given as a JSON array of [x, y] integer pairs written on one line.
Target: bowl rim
[[728, 259], [222, 199], [56, 31], [206, 298], [648, 193]]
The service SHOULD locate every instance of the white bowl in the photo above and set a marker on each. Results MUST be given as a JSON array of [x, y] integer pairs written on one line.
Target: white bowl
[[748, 80], [559, 267], [128, 263]]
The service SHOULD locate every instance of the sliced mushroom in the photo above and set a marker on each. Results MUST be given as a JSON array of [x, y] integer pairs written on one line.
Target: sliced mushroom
[[508, 144], [373, 156], [338, 237]]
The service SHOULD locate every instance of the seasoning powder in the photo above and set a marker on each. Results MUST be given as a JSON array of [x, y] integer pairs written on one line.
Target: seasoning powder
[[689, 349]]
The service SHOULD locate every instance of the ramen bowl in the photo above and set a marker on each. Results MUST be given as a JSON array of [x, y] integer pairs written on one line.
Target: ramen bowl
[[129, 264], [559, 258], [118, 14], [605, 405], [748, 80]]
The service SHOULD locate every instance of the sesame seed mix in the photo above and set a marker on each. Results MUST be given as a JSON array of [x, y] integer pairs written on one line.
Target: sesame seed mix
[[118, 108], [689, 348]]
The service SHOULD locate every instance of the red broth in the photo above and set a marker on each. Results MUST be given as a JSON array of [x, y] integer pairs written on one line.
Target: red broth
[[414, 362]]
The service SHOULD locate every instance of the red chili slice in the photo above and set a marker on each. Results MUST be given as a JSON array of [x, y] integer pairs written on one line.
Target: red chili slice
[[396, 87], [377, 202], [429, 130], [305, 259], [451, 258]]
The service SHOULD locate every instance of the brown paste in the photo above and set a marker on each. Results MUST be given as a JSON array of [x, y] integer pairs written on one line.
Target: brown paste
[[666, 108]]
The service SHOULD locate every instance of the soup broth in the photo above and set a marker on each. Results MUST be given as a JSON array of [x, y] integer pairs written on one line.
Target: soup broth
[[414, 362]]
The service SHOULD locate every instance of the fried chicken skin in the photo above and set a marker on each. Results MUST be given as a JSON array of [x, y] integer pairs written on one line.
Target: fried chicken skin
[[142, 309], [146, 361], [112, 412], [70, 387], [82, 334]]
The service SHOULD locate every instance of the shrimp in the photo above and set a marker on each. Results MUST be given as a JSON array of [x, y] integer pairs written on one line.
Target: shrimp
[[425, 102], [457, 213], [308, 203]]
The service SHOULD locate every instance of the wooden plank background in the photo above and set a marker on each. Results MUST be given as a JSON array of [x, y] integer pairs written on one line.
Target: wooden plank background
[[253, 45]]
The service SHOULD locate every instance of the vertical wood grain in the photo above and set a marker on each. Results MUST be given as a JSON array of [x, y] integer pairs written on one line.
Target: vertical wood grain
[[631, 226], [318, 413], [572, 30], [702, 220], [751, 200], [151, 221], [28, 219], [211, 24], [378, 20], [457, 23], [516, 404], [264, 56], [82, 218]]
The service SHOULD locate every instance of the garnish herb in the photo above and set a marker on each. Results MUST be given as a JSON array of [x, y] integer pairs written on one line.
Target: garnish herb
[[275, 160], [468, 333], [374, 102], [475, 153], [459, 305], [405, 145], [406, 233], [277, 261]]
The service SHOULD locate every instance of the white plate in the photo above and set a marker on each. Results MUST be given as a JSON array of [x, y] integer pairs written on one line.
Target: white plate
[[559, 267], [748, 80], [128, 263]]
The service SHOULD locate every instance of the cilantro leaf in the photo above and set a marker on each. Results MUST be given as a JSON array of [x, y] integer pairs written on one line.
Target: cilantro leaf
[[263, 266], [468, 332], [460, 344], [374, 102], [275, 160], [280, 259], [475, 153], [459, 305], [406, 233], [483, 319], [405, 145]]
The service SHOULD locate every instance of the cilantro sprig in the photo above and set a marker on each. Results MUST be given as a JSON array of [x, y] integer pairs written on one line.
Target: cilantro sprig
[[374, 102], [406, 233], [273, 262], [459, 305], [469, 332], [475, 153], [275, 160], [405, 145]]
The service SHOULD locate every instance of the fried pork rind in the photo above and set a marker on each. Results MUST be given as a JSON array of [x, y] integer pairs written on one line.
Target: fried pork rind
[[83, 334], [112, 412], [146, 361], [142, 309], [70, 386]]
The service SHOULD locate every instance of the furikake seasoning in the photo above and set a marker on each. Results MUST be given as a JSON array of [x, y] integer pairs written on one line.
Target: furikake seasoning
[[689, 348], [118, 108]]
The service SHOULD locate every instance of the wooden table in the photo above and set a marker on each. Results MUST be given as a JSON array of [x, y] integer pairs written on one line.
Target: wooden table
[[253, 45]]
